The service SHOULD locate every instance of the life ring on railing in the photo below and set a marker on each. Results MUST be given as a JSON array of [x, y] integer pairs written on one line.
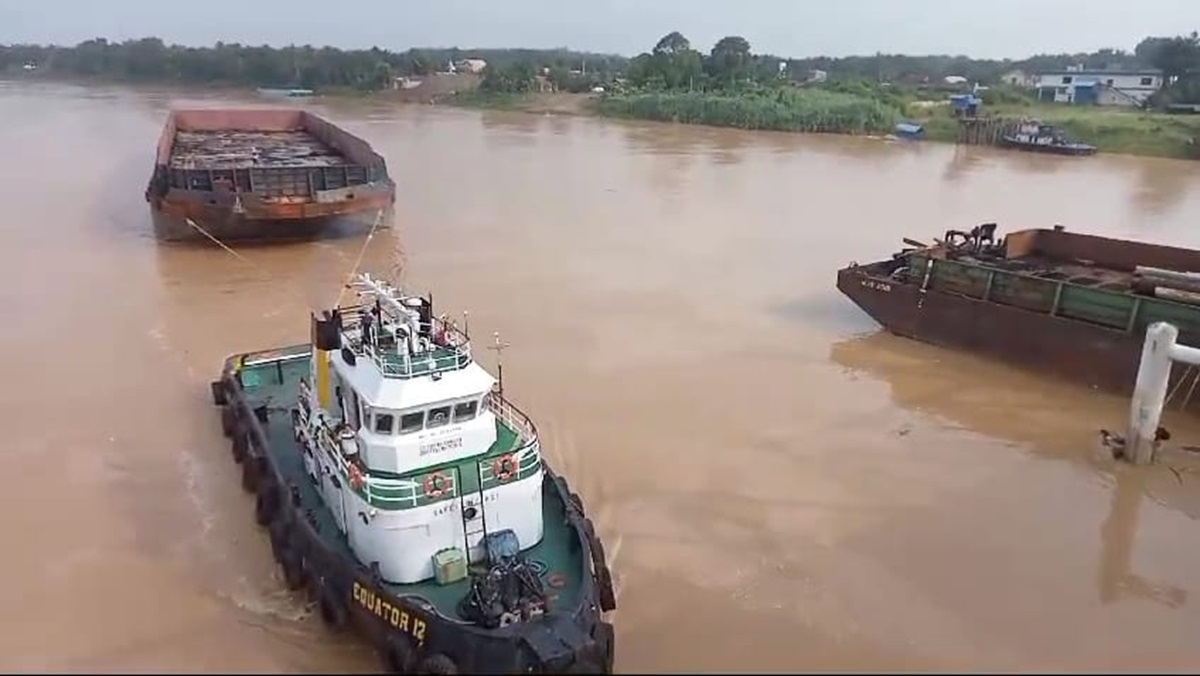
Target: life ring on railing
[[357, 481], [505, 467], [556, 580], [436, 485]]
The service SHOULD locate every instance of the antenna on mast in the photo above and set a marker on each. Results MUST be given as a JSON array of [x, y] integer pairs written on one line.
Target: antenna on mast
[[499, 345]]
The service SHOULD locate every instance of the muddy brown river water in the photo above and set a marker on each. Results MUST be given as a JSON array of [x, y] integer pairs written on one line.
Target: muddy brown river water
[[781, 486]]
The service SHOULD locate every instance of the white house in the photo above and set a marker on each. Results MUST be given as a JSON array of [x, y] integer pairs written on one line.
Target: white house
[[470, 65], [1098, 87], [1017, 78]]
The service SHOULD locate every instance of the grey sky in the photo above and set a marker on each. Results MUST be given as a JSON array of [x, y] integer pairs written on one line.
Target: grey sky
[[785, 27]]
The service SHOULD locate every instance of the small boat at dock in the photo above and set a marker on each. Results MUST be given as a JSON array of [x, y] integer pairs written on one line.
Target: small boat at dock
[[410, 497], [1043, 138]]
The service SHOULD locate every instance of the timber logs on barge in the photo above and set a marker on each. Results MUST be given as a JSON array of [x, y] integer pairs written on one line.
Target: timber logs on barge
[[411, 498], [262, 174], [1060, 302]]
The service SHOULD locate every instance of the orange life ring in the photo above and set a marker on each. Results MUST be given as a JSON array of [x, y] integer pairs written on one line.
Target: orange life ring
[[435, 485], [556, 581], [505, 467], [356, 477]]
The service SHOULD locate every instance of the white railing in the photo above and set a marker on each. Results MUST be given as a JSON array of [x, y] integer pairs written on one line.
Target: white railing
[[512, 417], [449, 349]]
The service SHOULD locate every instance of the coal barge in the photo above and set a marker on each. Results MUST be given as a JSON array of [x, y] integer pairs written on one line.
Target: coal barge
[[262, 174], [1063, 303]]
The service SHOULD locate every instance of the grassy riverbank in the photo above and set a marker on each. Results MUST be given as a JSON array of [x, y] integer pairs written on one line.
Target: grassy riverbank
[[1112, 130]]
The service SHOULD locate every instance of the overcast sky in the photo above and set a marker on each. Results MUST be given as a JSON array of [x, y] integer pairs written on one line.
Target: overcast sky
[[797, 28]]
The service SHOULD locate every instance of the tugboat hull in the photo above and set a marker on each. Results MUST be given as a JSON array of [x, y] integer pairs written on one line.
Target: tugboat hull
[[409, 625]]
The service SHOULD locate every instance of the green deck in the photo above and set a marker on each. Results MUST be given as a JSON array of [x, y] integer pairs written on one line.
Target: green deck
[[275, 382], [1114, 308]]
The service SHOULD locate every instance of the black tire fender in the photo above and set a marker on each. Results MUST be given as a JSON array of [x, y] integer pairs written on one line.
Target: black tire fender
[[606, 639], [229, 421], [266, 502], [218, 392], [607, 595], [251, 472], [295, 575], [331, 608], [279, 533], [437, 663], [241, 441], [398, 655]]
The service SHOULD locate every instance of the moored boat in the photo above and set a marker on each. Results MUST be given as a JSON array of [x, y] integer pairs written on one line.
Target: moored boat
[[1064, 303], [1043, 138], [411, 498]]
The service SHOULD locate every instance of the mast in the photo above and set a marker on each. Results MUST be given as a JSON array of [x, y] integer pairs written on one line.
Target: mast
[[499, 346]]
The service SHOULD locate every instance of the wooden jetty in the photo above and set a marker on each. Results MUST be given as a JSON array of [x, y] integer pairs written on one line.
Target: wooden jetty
[[985, 130]]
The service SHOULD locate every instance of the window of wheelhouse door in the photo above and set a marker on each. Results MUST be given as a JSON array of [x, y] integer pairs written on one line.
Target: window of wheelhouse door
[[356, 412]]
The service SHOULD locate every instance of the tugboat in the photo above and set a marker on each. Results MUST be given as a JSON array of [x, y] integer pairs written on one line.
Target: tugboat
[[411, 499], [1043, 138]]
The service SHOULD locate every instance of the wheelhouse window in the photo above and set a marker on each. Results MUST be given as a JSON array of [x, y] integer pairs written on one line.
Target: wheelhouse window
[[438, 416], [383, 423], [465, 411], [412, 422], [1147, 81]]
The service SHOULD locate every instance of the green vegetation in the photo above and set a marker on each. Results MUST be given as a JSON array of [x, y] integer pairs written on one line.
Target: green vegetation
[[780, 109], [727, 86], [149, 60]]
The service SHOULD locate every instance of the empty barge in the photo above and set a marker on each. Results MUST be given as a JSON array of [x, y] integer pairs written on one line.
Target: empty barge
[[262, 174], [1063, 303]]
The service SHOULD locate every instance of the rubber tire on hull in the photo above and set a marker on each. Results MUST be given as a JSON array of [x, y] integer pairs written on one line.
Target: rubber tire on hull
[[238, 447], [606, 637], [278, 531], [332, 610], [437, 663], [251, 473], [291, 562], [604, 581], [229, 421], [398, 656], [218, 393], [266, 503]]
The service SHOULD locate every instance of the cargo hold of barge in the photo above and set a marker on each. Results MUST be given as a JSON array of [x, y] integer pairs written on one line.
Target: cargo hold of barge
[[262, 174], [1064, 303]]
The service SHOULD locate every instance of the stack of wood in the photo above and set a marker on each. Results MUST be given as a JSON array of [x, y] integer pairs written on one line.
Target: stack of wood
[[1181, 287]]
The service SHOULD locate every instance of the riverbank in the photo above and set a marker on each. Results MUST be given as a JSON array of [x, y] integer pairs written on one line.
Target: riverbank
[[1111, 130]]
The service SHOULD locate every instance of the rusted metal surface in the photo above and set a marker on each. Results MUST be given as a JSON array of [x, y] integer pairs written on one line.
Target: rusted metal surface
[[1084, 352], [256, 172], [228, 149]]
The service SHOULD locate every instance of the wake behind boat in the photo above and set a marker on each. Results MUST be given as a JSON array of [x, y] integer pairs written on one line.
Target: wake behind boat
[[411, 498]]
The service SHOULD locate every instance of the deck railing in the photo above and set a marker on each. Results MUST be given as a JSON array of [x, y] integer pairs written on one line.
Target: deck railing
[[392, 494], [449, 350]]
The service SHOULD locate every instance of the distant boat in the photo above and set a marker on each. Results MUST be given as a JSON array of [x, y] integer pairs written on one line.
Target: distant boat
[[909, 131], [285, 93], [1043, 138]]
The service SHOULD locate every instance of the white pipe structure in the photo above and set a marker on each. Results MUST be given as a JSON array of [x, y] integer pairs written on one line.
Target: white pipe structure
[[1150, 392]]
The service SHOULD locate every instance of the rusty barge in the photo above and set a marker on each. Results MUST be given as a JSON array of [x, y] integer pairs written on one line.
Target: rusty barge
[[262, 174], [1069, 304]]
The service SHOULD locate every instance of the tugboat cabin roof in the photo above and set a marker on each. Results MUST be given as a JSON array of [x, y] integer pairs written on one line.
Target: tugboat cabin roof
[[391, 393]]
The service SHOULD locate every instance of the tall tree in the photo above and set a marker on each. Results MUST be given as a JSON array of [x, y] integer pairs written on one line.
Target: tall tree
[[730, 59]]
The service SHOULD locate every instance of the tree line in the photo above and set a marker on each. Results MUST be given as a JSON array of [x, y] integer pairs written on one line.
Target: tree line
[[672, 64], [150, 60]]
